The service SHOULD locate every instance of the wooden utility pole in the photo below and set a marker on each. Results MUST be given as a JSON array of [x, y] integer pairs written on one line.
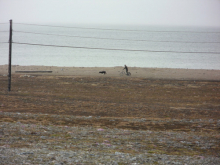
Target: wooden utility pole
[[9, 61]]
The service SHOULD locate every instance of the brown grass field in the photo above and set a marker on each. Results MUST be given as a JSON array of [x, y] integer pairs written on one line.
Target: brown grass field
[[116, 98]]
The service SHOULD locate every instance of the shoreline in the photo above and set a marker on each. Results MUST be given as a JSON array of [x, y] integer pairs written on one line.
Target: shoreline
[[136, 72]]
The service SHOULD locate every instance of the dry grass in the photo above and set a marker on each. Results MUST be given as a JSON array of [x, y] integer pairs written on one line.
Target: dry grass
[[112, 97], [116, 99]]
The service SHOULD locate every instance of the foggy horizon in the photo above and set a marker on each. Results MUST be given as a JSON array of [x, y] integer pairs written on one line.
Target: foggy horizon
[[193, 13]]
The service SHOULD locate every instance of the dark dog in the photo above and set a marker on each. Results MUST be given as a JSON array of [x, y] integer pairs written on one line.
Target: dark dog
[[102, 72]]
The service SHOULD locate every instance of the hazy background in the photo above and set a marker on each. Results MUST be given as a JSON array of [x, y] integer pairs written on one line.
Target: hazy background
[[134, 12]]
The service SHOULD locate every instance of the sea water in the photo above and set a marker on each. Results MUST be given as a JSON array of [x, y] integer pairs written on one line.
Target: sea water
[[109, 46]]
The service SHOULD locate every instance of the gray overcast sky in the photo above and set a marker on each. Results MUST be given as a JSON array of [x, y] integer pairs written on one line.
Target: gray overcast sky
[[144, 12]]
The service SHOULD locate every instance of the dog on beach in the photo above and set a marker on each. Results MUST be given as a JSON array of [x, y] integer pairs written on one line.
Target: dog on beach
[[102, 72]]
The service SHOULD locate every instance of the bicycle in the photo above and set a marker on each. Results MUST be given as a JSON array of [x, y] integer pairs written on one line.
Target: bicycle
[[124, 73]]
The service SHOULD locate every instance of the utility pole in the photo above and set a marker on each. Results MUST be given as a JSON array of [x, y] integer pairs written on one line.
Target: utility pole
[[9, 61]]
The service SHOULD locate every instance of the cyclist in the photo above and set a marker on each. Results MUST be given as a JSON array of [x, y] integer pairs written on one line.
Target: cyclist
[[126, 68]]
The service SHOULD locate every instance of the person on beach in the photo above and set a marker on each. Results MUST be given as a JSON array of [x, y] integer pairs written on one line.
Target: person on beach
[[126, 68]]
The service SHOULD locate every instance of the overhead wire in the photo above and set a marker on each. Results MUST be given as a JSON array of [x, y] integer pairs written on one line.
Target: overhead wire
[[74, 27], [108, 38], [132, 50], [153, 31], [114, 49]]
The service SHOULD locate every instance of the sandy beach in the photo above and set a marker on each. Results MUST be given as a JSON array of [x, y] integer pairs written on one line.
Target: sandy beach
[[149, 73]]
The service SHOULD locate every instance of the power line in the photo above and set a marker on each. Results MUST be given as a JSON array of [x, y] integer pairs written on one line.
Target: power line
[[132, 50], [74, 27], [110, 38], [114, 29]]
